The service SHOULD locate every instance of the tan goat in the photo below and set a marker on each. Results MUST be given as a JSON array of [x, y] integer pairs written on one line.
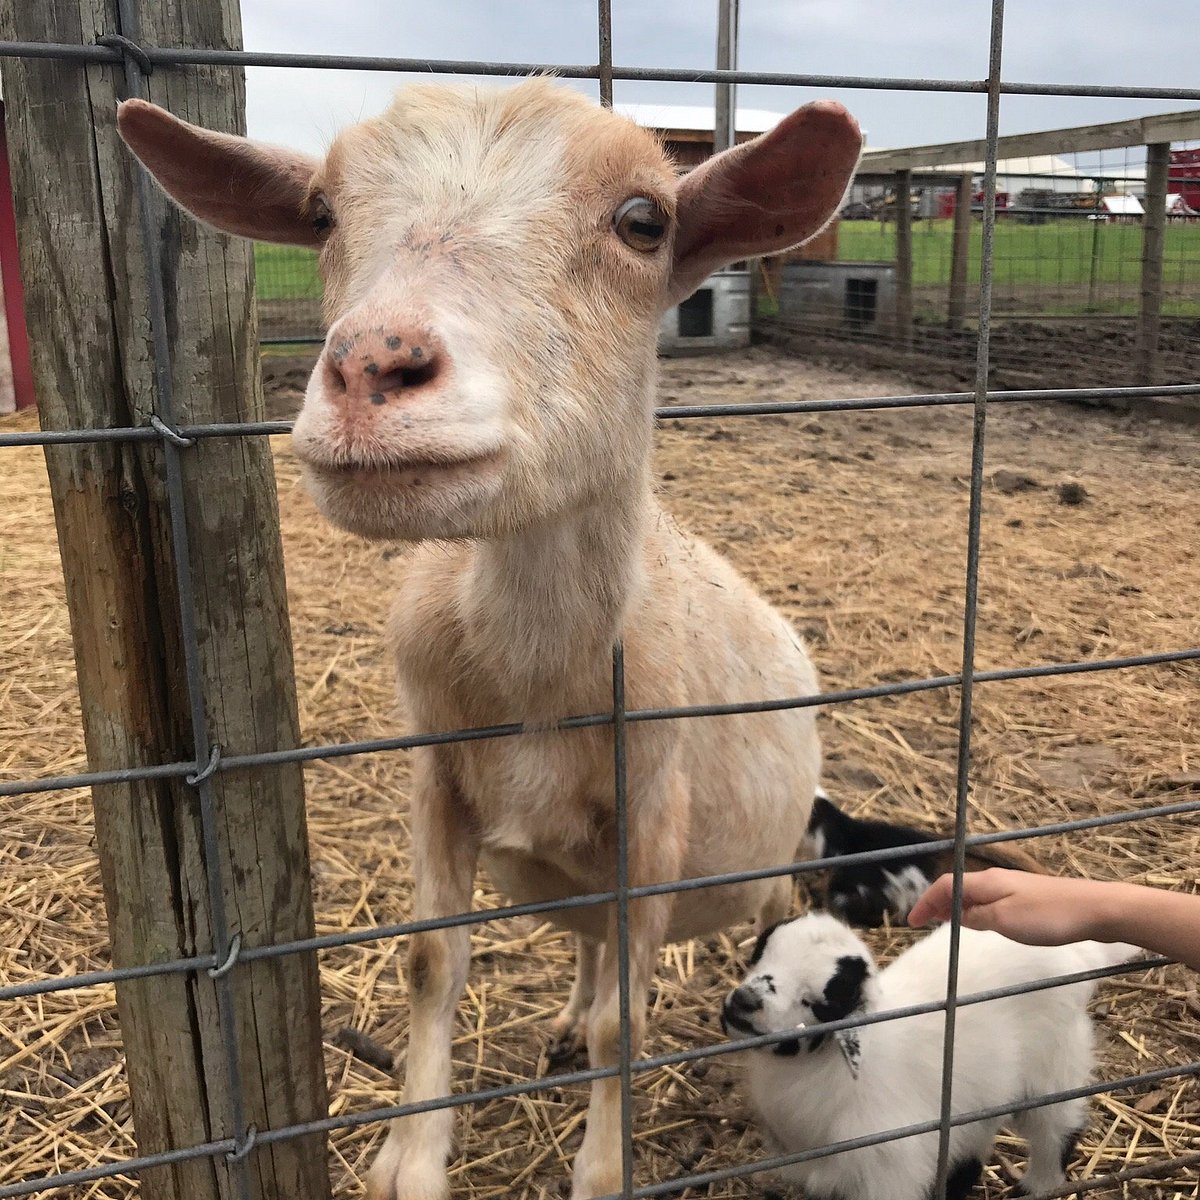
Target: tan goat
[[495, 266]]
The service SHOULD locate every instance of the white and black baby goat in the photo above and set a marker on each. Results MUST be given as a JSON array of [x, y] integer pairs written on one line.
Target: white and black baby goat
[[814, 1091]]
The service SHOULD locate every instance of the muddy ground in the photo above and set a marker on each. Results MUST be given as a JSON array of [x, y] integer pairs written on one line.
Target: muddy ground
[[854, 524], [1028, 353]]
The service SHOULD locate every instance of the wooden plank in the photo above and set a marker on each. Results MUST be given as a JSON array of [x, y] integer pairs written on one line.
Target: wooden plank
[[1154, 227], [904, 259], [1164, 127], [87, 301], [960, 253]]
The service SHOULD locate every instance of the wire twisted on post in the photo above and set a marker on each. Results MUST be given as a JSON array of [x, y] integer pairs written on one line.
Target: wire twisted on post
[[244, 1146], [127, 48], [196, 778], [164, 430], [231, 959]]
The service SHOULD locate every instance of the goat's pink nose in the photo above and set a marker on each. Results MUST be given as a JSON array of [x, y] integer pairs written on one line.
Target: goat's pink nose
[[381, 364]]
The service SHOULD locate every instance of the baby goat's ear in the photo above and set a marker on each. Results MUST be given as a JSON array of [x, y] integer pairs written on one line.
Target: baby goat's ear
[[843, 992], [760, 943], [764, 196], [230, 182]]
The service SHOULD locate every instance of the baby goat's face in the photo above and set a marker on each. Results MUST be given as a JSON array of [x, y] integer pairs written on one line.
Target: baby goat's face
[[802, 972]]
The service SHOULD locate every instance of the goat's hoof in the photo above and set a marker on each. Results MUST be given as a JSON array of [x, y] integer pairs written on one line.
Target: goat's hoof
[[565, 1048], [599, 1182], [390, 1179], [568, 1038]]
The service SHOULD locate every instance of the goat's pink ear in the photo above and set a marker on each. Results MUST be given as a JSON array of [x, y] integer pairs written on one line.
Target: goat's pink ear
[[230, 182], [764, 196]]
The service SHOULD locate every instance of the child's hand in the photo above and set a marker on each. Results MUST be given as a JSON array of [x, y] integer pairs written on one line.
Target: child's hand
[[1035, 909], [1042, 911]]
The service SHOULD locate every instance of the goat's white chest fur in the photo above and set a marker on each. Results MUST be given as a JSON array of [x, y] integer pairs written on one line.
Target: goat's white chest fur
[[816, 969]]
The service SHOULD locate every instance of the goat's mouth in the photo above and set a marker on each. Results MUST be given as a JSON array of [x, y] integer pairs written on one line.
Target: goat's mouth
[[426, 494], [400, 472], [737, 1022]]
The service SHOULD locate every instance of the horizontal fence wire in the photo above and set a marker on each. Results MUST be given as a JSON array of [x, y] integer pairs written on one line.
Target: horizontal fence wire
[[176, 439], [239, 762], [357, 937], [186, 56], [650, 1063], [145, 433], [591, 1075]]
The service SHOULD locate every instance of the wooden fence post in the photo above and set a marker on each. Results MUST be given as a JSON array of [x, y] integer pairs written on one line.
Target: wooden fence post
[[904, 259], [87, 300], [960, 253], [1154, 227]]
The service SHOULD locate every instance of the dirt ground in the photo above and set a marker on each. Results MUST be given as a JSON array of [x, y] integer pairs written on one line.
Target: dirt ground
[[854, 524], [1024, 353]]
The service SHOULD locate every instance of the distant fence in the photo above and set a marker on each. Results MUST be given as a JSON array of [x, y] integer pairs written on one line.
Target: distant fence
[[1096, 258], [1076, 298], [289, 294]]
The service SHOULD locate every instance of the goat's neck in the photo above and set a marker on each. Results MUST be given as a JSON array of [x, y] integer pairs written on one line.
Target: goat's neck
[[546, 604]]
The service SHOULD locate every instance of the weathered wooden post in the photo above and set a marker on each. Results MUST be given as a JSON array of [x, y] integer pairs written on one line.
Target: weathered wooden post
[[960, 253], [89, 316], [1154, 229], [904, 259]]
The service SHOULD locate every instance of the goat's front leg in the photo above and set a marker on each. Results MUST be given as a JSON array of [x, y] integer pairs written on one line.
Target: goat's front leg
[[412, 1163], [655, 854]]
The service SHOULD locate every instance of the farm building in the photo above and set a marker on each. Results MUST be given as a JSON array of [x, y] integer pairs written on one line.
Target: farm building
[[1183, 177], [16, 373], [687, 129]]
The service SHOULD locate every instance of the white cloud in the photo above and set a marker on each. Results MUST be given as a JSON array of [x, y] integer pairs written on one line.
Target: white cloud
[[1070, 41]]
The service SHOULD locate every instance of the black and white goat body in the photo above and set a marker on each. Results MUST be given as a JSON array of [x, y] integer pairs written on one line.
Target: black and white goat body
[[866, 893], [815, 1091]]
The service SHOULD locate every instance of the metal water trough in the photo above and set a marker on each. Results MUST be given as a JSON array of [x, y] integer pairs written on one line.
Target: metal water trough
[[843, 295], [716, 317]]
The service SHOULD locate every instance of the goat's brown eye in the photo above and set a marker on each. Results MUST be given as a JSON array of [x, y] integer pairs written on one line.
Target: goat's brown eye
[[321, 216], [640, 223]]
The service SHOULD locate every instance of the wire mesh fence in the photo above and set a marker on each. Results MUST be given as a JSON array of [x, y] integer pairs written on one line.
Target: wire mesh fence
[[282, 275], [1070, 288]]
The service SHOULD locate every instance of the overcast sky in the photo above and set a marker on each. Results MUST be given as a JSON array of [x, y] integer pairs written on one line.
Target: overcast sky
[[1148, 42]]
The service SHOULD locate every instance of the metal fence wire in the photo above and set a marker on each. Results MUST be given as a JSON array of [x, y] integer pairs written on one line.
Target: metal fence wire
[[177, 439]]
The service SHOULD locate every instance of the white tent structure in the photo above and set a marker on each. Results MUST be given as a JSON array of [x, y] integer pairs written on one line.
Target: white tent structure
[[1121, 206]]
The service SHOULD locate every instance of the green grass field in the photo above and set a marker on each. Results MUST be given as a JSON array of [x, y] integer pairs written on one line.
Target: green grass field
[[286, 273], [1050, 265]]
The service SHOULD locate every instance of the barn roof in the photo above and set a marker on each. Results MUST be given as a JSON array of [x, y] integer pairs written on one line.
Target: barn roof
[[697, 117]]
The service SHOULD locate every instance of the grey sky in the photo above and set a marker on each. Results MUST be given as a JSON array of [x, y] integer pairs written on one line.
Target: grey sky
[[1149, 42]]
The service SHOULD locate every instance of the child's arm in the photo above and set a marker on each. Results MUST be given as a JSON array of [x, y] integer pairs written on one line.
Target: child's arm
[[1044, 911]]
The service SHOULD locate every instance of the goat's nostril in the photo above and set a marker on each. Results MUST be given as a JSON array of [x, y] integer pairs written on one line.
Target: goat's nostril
[[402, 378], [335, 374], [745, 1000]]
